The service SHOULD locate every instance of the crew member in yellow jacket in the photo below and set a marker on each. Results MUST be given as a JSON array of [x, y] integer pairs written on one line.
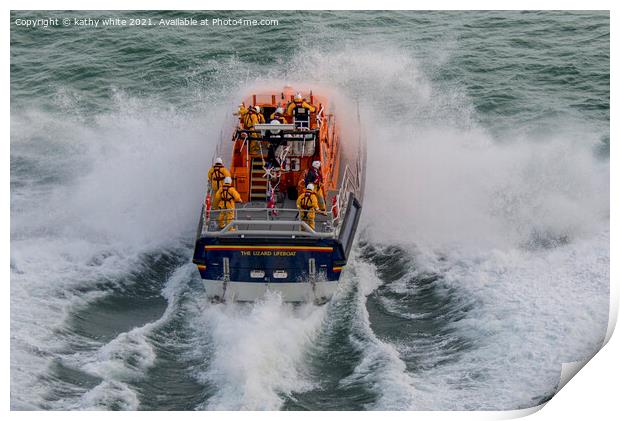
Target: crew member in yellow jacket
[[308, 205], [298, 101], [217, 174], [251, 116], [224, 200], [278, 115]]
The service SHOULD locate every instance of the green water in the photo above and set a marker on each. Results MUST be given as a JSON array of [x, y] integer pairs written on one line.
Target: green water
[[487, 210]]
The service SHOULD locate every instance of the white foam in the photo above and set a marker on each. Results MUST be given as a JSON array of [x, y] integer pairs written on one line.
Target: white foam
[[257, 352], [480, 208], [516, 221], [128, 356], [95, 195], [381, 368], [110, 395]]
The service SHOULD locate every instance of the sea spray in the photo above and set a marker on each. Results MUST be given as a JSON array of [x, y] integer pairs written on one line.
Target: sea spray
[[490, 145], [259, 352]]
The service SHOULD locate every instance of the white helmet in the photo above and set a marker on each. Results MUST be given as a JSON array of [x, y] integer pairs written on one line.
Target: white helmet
[[275, 123], [218, 160], [310, 187], [316, 164], [298, 96], [257, 108], [227, 180], [280, 110]]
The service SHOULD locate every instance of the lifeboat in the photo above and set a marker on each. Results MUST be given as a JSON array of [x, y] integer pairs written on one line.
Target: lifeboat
[[265, 244]]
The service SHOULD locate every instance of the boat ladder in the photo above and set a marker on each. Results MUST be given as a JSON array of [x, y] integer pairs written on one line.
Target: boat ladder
[[258, 181]]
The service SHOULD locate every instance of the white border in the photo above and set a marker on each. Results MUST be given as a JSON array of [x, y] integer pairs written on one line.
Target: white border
[[593, 394]]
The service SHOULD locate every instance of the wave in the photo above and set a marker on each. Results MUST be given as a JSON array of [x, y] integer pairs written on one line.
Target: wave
[[257, 352], [503, 238]]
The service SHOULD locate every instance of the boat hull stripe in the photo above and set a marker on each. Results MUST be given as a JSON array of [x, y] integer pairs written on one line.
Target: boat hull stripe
[[294, 248]]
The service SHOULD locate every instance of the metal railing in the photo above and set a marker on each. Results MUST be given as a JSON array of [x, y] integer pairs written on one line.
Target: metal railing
[[350, 184], [295, 135], [249, 221]]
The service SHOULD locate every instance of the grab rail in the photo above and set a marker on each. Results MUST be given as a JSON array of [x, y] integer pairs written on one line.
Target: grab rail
[[295, 135], [300, 227], [234, 229]]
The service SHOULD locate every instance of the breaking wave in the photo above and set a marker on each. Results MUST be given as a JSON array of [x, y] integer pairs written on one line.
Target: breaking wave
[[482, 265]]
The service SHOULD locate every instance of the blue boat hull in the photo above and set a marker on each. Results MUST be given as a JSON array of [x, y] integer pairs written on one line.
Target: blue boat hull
[[300, 269]]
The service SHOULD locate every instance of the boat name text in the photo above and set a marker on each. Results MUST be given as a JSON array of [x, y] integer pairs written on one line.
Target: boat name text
[[268, 253]]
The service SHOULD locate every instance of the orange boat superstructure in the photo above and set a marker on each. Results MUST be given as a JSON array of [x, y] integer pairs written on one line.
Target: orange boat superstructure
[[247, 153], [266, 246]]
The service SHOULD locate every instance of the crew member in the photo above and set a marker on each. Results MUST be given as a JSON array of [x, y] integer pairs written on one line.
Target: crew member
[[242, 112], [277, 118], [252, 117], [217, 174], [298, 102], [224, 200], [308, 206], [275, 140], [278, 115], [315, 177], [259, 115]]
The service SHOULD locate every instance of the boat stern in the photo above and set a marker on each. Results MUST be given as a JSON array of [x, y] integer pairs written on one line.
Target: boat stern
[[246, 272]]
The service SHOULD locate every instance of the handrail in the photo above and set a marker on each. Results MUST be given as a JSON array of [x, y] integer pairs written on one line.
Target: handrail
[[240, 223], [257, 209], [270, 233], [289, 135], [231, 229]]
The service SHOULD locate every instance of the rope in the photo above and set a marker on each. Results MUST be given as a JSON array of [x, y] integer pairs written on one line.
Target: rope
[[284, 153], [247, 147], [319, 120], [262, 157]]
